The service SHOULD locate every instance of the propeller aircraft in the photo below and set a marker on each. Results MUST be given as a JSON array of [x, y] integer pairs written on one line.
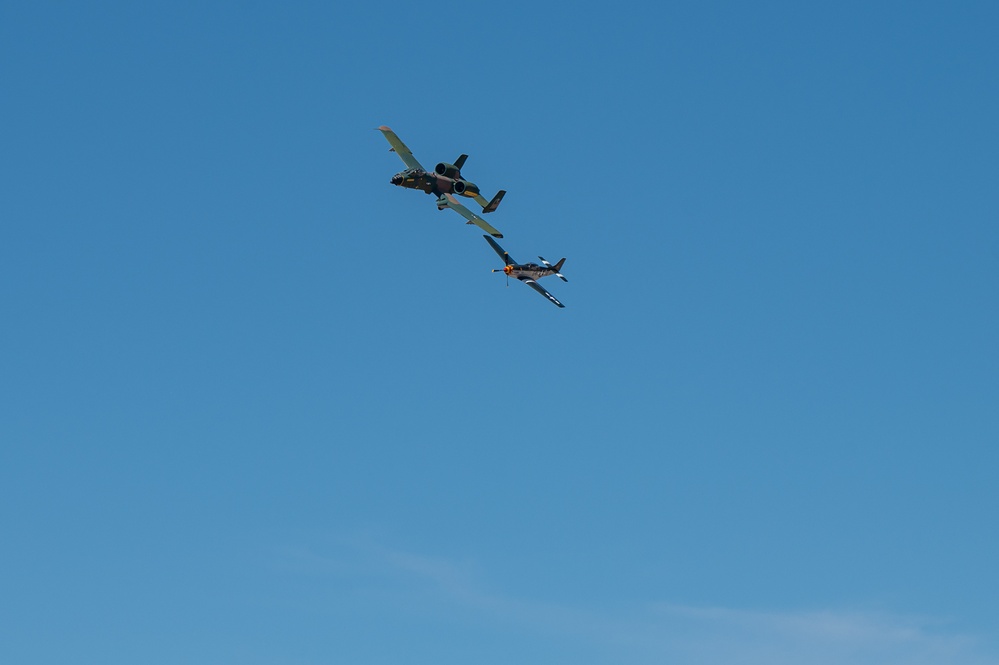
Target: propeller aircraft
[[444, 181], [529, 273]]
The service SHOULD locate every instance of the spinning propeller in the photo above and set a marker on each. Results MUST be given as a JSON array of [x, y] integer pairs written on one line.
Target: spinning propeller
[[506, 269]]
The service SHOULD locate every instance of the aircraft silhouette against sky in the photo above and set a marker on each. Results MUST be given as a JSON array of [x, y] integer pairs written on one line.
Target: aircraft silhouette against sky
[[442, 182], [529, 273]]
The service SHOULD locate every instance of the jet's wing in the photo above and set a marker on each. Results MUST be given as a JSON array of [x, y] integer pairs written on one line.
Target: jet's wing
[[472, 218], [540, 289], [503, 254], [399, 148]]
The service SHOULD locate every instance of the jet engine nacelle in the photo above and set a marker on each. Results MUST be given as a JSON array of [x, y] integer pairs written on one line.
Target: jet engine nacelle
[[446, 170], [465, 188]]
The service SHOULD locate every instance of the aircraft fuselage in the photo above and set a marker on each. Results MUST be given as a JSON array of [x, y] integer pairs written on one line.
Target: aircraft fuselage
[[431, 183], [532, 270]]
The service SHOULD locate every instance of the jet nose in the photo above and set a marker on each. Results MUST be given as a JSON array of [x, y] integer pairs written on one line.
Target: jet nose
[[396, 179]]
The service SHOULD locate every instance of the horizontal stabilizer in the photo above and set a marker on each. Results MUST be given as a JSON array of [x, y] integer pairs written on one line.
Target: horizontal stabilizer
[[557, 268], [492, 205]]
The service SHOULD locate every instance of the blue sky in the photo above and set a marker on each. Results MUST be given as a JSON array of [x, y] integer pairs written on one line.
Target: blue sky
[[260, 406]]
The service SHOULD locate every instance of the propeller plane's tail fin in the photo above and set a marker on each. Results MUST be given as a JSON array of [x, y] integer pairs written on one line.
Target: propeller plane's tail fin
[[557, 268]]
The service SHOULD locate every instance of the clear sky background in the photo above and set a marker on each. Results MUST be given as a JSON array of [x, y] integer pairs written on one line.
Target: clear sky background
[[259, 406]]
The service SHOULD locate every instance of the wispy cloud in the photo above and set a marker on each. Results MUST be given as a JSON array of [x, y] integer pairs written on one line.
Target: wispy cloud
[[825, 637], [662, 632]]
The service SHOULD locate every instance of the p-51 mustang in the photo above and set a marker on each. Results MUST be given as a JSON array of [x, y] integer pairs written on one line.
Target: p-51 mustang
[[442, 182], [528, 273]]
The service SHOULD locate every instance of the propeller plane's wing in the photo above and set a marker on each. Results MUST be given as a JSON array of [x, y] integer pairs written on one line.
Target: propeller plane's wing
[[399, 148], [472, 218], [503, 254], [540, 289]]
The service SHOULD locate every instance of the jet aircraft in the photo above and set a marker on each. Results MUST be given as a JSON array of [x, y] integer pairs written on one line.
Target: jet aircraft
[[442, 182], [529, 273]]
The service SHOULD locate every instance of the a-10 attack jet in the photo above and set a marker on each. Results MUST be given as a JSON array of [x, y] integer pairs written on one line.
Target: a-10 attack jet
[[529, 273], [442, 182]]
